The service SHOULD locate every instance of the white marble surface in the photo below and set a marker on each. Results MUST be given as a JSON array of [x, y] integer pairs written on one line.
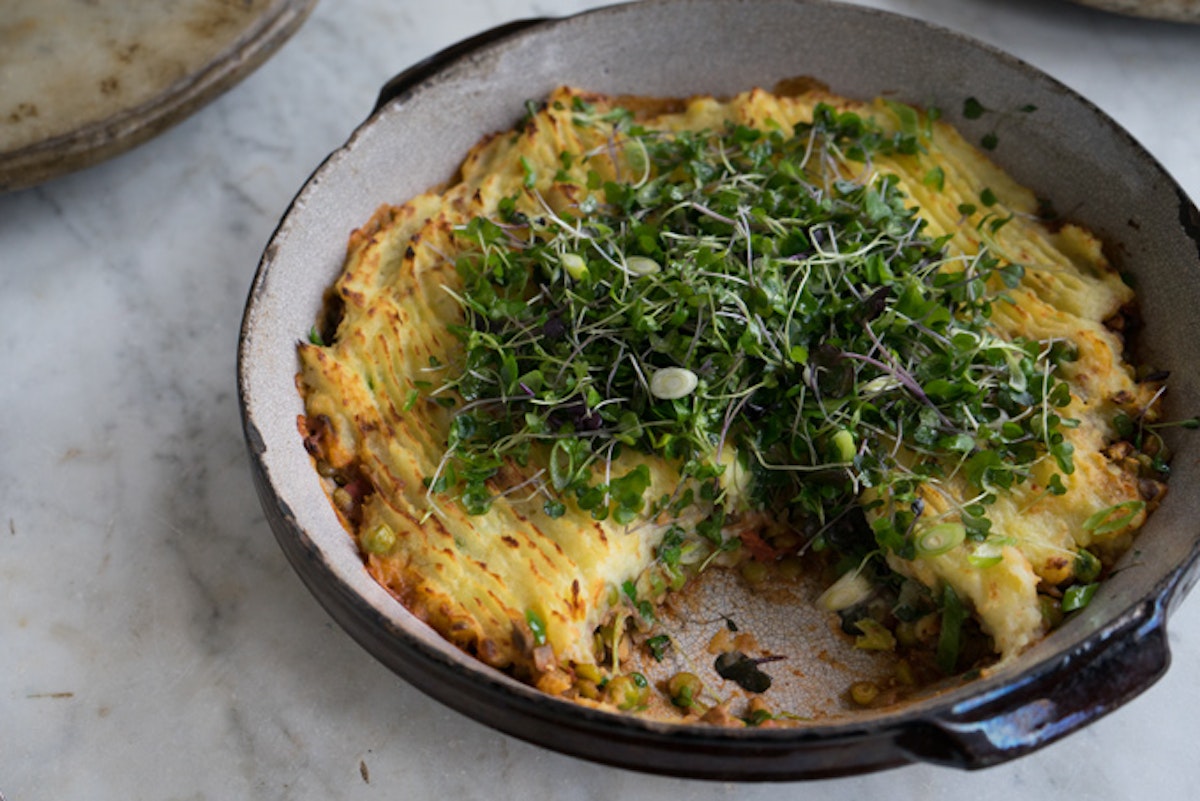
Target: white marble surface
[[154, 643]]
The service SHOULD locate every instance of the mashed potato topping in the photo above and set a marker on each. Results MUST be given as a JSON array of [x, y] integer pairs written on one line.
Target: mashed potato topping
[[634, 340]]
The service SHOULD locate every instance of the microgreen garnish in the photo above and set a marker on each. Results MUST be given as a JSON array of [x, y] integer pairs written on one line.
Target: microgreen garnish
[[743, 300], [973, 109], [643, 606], [935, 178]]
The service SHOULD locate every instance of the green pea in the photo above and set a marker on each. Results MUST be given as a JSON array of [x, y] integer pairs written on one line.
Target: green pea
[[378, 539]]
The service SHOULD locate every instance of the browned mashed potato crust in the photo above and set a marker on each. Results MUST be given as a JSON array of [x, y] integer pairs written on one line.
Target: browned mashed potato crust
[[527, 592]]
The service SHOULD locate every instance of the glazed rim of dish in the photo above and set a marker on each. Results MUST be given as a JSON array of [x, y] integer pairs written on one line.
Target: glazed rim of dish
[[1067, 150]]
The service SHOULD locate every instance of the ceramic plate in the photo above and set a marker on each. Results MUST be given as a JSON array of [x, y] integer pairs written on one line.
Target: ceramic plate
[[83, 81]]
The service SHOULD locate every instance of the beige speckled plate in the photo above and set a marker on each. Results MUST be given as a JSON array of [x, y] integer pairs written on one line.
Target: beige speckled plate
[[84, 80], [1173, 10]]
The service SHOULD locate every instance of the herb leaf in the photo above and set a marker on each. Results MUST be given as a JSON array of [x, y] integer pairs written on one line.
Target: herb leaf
[[973, 109]]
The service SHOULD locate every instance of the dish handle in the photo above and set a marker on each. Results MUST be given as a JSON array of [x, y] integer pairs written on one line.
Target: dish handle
[[426, 68], [1103, 673]]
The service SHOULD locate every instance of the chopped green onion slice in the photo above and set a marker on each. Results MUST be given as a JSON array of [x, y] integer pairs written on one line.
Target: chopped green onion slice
[[849, 590], [1078, 596], [536, 626], [671, 383], [575, 266], [937, 540], [950, 638], [985, 557], [1113, 518], [642, 265], [844, 446]]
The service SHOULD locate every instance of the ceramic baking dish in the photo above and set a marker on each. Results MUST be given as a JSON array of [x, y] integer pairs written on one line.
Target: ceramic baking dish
[[1066, 150]]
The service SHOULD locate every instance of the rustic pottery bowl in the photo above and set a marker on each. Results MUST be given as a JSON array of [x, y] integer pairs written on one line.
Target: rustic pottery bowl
[[1066, 150]]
